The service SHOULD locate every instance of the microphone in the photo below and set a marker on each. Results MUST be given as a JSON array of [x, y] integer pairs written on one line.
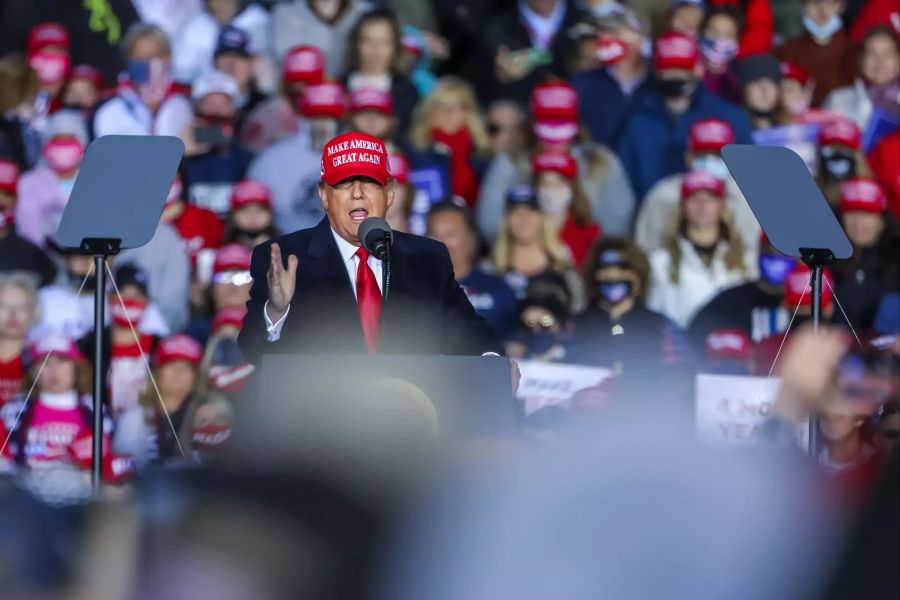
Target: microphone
[[376, 236]]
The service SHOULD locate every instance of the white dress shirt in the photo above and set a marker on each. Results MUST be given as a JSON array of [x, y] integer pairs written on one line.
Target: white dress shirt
[[351, 263]]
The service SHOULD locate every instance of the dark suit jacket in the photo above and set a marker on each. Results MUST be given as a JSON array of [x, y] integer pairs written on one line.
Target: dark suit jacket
[[426, 311]]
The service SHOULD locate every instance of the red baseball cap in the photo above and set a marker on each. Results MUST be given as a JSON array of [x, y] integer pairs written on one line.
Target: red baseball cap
[[179, 347], [58, 345], [303, 64], [675, 51], [323, 100], [371, 99], [47, 34], [232, 257], [554, 107], [88, 73], [862, 194], [840, 131], [710, 135], [725, 344], [9, 176], [557, 162], [793, 71], [399, 168], [250, 191], [697, 181], [355, 154], [229, 316], [51, 66], [796, 283]]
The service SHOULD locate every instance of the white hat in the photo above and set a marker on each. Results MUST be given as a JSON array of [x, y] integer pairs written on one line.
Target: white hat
[[213, 82]]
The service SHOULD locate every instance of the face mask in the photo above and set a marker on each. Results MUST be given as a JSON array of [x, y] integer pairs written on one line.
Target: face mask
[[676, 88], [614, 292], [151, 78], [129, 314], [555, 200], [718, 54], [211, 437], [63, 155], [611, 50], [823, 32], [763, 114], [714, 165], [250, 233], [839, 167], [798, 106], [540, 341], [51, 67], [7, 218], [774, 268]]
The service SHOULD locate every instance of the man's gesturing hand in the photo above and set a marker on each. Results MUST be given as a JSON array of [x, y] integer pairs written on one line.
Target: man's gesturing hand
[[281, 284]]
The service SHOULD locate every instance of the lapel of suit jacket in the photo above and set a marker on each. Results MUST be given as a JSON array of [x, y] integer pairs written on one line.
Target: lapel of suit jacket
[[330, 274]]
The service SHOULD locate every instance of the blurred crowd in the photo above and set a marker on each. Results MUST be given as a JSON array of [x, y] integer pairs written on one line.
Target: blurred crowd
[[567, 152]]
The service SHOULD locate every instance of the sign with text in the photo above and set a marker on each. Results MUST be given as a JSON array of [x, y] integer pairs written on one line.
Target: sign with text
[[731, 409], [546, 384]]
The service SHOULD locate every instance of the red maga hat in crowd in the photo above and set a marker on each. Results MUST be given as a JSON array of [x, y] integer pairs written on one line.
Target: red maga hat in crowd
[[232, 257], [250, 191], [793, 71], [554, 107], [58, 345], [231, 315], [9, 176], [675, 51], [179, 347], [303, 64], [88, 73], [557, 162], [369, 98], [710, 135], [701, 181], [795, 287], [327, 99], [864, 195], [728, 344], [48, 34], [399, 168], [840, 131], [355, 154]]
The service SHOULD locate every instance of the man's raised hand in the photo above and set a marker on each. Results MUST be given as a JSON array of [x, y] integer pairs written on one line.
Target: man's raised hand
[[281, 283]]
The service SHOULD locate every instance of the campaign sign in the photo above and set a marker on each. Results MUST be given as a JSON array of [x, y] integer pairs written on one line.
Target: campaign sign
[[731, 409], [802, 138], [546, 384]]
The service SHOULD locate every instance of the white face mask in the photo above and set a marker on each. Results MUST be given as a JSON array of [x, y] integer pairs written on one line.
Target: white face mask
[[714, 165], [554, 200]]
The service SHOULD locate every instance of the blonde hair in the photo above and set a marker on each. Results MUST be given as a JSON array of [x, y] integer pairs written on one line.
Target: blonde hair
[[26, 282], [553, 246], [446, 87], [18, 83], [734, 253]]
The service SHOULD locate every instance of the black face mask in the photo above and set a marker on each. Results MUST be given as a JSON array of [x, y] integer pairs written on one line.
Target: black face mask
[[250, 233], [838, 167], [763, 114], [676, 88], [540, 341]]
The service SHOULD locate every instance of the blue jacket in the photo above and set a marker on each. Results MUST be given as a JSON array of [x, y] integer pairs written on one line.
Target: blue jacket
[[603, 106], [653, 141]]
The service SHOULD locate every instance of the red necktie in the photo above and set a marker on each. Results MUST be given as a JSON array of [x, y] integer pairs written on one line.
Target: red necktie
[[368, 297]]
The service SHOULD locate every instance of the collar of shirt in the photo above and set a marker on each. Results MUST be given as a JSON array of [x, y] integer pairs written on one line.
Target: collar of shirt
[[348, 255], [541, 29]]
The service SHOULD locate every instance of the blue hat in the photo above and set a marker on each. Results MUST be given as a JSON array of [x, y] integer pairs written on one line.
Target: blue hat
[[521, 195], [233, 41]]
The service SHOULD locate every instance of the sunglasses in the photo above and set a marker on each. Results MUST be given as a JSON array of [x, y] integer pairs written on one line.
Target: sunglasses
[[495, 128]]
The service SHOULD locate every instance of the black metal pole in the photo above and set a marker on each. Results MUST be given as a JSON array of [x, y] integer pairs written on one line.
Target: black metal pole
[[99, 321], [816, 278]]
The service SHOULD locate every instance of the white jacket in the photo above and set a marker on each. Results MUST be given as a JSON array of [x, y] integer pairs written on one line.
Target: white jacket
[[126, 114], [697, 283], [662, 201], [852, 101]]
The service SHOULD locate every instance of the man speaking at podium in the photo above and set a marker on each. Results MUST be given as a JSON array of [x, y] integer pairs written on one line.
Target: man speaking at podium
[[319, 291]]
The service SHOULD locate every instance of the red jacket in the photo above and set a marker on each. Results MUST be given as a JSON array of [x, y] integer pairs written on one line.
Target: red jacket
[[579, 239], [199, 228], [885, 161]]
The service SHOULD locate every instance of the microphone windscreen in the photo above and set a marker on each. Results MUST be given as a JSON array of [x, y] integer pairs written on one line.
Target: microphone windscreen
[[372, 230]]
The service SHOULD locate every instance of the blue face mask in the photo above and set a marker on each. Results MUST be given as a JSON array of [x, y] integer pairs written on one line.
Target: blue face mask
[[138, 71], [714, 165], [614, 292], [540, 341], [774, 268], [823, 32]]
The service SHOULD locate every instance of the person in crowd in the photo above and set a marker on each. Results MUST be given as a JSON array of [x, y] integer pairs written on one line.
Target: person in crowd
[[754, 307], [214, 161], [796, 89], [194, 48], [291, 167], [231, 278], [372, 112], [884, 160], [198, 227], [758, 29], [448, 134], [524, 45], [760, 77], [223, 368], [411, 206], [146, 100], [18, 311], [874, 268], [887, 429], [564, 203], [16, 252], [871, 15], [655, 135], [839, 158], [879, 65], [706, 139], [374, 61], [250, 220], [728, 352], [528, 246], [125, 346], [720, 35], [207, 427], [490, 296], [48, 55], [235, 55], [824, 50], [617, 330], [556, 129], [686, 16], [82, 88], [703, 254], [505, 123], [622, 77], [44, 190], [20, 117], [543, 320], [324, 24]]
